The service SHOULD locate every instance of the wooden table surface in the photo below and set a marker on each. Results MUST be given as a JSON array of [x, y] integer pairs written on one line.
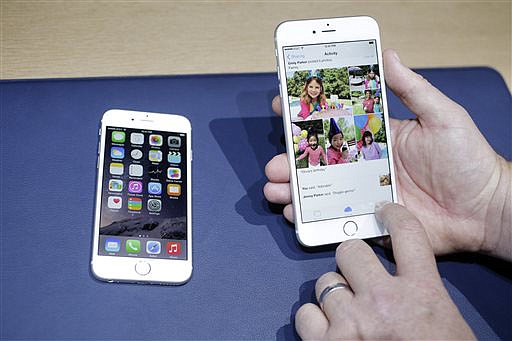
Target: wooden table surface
[[48, 39]]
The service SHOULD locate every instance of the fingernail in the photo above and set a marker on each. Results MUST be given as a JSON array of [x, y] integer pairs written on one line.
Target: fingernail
[[380, 205], [378, 209]]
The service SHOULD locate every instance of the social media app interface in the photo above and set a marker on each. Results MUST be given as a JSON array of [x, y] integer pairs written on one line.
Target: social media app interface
[[144, 199], [338, 129]]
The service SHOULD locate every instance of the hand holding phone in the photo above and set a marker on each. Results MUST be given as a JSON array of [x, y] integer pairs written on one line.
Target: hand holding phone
[[335, 114]]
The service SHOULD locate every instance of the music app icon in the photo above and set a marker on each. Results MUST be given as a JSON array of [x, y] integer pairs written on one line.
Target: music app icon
[[174, 248], [135, 187]]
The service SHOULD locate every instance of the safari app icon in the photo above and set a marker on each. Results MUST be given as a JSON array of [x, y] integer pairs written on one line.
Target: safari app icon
[[153, 247]]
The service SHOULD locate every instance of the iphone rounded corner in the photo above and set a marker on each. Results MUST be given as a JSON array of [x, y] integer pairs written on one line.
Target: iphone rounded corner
[[96, 275], [279, 28], [302, 240], [372, 21], [186, 278], [109, 113]]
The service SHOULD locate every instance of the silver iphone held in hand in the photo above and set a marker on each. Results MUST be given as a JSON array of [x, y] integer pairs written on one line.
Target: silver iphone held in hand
[[336, 126]]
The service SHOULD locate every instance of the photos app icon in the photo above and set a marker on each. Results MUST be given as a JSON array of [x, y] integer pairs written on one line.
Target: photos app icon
[[155, 140]]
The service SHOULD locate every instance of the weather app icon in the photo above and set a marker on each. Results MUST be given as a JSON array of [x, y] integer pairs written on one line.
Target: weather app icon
[[117, 152]]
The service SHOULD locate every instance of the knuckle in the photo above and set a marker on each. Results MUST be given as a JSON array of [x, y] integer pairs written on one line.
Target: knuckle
[[409, 223], [399, 216], [326, 279]]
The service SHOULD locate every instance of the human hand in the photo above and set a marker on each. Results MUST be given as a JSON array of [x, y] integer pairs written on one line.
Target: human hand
[[447, 174], [412, 304]]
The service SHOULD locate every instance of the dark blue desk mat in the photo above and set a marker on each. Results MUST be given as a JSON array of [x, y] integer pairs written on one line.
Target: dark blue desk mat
[[250, 274]]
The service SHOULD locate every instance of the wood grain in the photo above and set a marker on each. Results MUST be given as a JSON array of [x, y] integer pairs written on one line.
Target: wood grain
[[47, 39]]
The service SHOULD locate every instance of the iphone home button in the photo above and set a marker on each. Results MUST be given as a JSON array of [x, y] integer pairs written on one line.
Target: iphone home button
[[142, 268], [350, 228]]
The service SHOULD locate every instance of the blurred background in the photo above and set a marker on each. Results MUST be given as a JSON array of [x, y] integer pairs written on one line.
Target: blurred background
[[49, 39]]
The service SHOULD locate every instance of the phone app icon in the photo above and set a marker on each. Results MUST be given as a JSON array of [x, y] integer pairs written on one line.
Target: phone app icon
[[135, 170], [137, 138], [174, 157], [116, 168], [153, 247], [115, 202], [134, 204], [155, 155], [154, 205], [117, 152], [135, 187], [174, 248], [118, 136], [174, 173], [155, 140], [154, 188], [112, 245], [174, 141], [133, 246], [174, 190], [115, 185]]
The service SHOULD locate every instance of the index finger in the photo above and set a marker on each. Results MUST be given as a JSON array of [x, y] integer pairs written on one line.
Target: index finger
[[276, 105], [412, 249]]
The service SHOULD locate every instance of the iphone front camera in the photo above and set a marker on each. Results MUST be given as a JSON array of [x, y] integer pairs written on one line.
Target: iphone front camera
[[314, 32]]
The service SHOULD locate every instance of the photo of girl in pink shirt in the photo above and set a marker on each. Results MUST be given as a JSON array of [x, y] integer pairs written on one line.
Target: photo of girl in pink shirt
[[313, 151], [312, 97]]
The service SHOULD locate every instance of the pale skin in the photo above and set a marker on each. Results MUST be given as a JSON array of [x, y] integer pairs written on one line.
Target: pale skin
[[313, 143], [368, 140], [337, 141], [453, 205], [314, 89]]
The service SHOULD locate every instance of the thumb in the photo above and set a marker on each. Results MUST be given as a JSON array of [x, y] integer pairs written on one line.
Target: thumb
[[411, 246], [429, 104]]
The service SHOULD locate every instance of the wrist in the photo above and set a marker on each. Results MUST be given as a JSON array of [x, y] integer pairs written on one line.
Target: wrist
[[498, 221]]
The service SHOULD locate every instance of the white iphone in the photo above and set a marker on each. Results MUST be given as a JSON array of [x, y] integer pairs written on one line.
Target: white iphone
[[143, 211], [336, 126]]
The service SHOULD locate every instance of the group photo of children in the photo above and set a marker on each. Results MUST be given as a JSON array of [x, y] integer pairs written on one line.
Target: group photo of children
[[365, 89], [337, 116]]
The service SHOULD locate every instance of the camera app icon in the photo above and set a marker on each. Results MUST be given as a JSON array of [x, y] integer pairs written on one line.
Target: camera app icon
[[174, 141]]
